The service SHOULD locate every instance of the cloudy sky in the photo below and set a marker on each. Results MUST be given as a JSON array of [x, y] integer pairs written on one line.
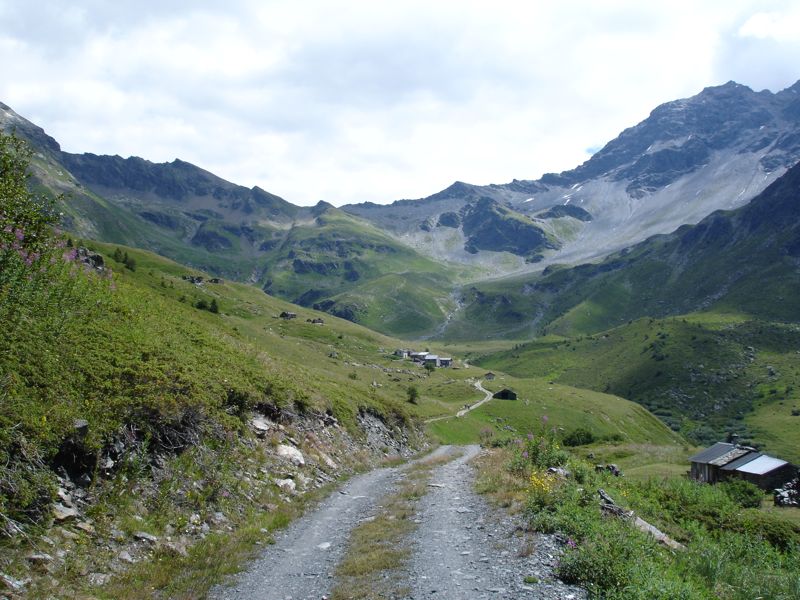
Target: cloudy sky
[[351, 100]]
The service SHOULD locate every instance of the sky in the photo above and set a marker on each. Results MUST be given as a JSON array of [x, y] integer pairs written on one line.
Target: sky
[[351, 101]]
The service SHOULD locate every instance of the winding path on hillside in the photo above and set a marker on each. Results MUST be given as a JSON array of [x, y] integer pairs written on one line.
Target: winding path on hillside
[[479, 386], [487, 397], [462, 547]]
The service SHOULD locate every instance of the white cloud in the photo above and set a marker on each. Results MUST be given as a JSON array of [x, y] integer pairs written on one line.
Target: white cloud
[[357, 100], [781, 26]]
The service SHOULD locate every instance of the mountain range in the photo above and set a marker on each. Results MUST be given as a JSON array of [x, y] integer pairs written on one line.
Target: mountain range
[[430, 267]]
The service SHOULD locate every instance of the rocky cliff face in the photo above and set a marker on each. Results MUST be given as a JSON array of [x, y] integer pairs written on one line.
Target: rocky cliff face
[[716, 150]]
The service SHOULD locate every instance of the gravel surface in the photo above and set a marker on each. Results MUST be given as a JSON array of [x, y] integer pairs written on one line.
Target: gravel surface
[[301, 563], [464, 548]]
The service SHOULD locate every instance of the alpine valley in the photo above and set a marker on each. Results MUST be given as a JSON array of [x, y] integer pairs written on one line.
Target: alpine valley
[[693, 210], [205, 355]]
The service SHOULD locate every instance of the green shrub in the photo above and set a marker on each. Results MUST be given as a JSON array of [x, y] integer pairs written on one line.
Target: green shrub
[[579, 437], [603, 563], [732, 552], [768, 527], [537, 451], [413, 394], [743, 493]]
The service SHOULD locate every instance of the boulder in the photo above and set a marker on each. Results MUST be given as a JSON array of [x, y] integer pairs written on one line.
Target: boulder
[[287, 485], [63, 513], [85, 527], [81, 427], [261, 425], [8, 582], [174, 548], [99, 579], [146, 537], [329, 462], [293, 455], [39, 558]]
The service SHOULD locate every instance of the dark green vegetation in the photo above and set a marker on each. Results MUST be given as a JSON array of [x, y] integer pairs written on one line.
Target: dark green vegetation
[[704, 375], [733, 549]]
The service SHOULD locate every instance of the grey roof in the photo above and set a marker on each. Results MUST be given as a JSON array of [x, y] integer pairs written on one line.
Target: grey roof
[[732, 466], [729, 456], [709, 454], [762, 465]]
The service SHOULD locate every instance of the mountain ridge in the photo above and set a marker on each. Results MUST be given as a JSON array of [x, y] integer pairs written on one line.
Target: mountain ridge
[[652, 178], [688, 158]]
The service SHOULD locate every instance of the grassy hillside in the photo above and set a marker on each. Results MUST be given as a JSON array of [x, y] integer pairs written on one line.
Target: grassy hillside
[[561, 406], [703, 374], [348, 268]]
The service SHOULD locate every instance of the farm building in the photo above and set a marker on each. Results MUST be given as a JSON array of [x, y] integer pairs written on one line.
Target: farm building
[[401, 352], [432, 359], [288, 315], [505, 394], [489, 376], [767, 472], [730, 461], [445, 361]]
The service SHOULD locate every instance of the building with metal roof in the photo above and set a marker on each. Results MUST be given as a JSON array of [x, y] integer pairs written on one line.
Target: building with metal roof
[[767, 472], [706, 464], [732, 466], [730, 461]]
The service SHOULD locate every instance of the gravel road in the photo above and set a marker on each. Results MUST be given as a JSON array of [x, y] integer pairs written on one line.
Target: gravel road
[[301, 563], [466, 549], [463, 548]]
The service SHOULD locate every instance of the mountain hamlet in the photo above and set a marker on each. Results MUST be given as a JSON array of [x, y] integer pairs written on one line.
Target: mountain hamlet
[[189, 365]]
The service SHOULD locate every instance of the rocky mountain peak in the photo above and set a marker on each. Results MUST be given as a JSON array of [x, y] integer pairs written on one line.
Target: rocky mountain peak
[[10, 121]]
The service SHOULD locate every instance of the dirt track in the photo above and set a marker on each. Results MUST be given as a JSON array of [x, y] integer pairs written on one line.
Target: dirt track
[[462, 548]]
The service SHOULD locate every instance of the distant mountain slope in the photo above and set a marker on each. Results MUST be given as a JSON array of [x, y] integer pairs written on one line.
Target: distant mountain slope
[[746, 260], [716, 150], [310, 255]]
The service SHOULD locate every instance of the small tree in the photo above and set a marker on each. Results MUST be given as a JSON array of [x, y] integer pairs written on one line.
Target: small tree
[[201, 304], [130, 262], [213, 306], [413, 394], [430, 367]]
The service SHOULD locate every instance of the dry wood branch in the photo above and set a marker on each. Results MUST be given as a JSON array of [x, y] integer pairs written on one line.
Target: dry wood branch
[[609, 506]]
